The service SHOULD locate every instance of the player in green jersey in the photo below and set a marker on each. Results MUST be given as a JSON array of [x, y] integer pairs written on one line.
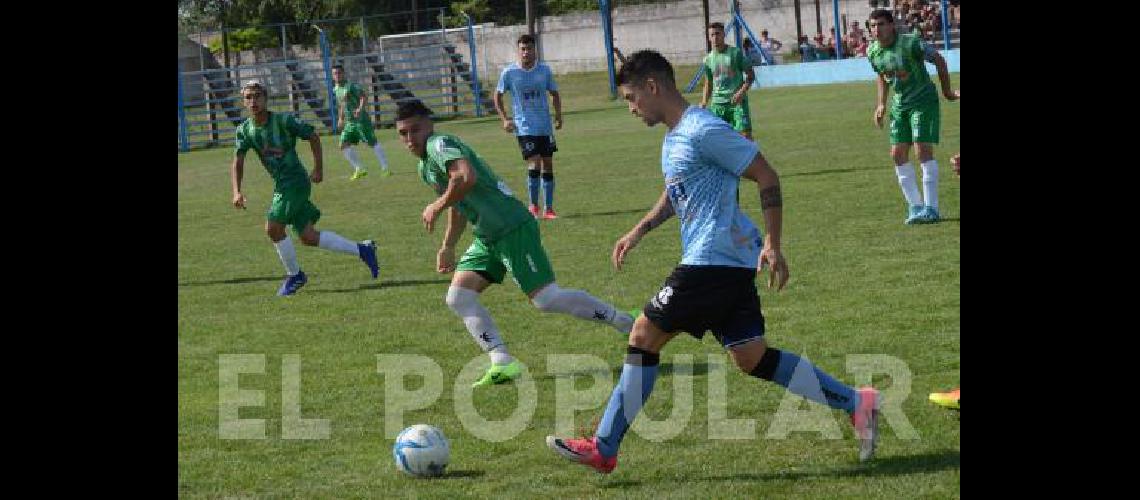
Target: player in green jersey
[[506, 239], [899, 60], [728, 76], [273, 136], [356, 124]]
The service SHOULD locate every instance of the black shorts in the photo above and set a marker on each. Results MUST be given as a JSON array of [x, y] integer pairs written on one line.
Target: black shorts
[[537, 145], [718, 298]]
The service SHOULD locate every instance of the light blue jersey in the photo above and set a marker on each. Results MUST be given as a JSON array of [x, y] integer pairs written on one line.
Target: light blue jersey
[[528, 97], [702, 159]]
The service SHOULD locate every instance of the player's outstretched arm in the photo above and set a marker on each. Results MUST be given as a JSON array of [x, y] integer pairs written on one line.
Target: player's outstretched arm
[[657, 215], [772, 203]]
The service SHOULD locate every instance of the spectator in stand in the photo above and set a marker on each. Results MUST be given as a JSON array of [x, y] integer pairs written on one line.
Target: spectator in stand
[[807, 51], [902, 11], [831, 43], [861, 47], [852, 38], [752, 53], [770, 47]]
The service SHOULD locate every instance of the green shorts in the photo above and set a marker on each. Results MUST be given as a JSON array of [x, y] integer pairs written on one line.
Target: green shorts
[[919, 123], [736, 115], [293, 208], [354, 132], [519, 251]]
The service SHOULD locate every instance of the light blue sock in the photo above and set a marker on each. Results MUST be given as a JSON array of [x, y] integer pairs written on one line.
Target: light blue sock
[[633, 388], [548, 187], [801, 377]]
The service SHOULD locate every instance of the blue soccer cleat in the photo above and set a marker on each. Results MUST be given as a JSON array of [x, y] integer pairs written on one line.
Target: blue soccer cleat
[[930, 215], [914, 215], [292, 284], [368, 255]]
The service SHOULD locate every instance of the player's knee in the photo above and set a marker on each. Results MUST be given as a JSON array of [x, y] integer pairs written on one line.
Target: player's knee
[[748, 361], [546, 298], [275, 232], [643, 336], [763, 364], [311, 238], [925, 152], [460, 299]]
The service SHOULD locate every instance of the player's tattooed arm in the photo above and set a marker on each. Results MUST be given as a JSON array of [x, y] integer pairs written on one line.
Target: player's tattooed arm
[[660, 213], [770, 197]]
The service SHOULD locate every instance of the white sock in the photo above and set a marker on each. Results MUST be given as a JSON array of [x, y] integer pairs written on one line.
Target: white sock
[[288, 255], [350, 154], [908, 183], [337, 243], [581, 305], [379, 151], [500, 356], [465, 304], [930, 183]]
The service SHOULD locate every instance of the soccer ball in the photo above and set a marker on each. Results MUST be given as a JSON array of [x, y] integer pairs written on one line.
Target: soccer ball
[[422, 451]]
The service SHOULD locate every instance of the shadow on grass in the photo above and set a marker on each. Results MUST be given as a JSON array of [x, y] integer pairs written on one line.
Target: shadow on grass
[[829, 171], [698, 369], [385, 284], [233, 281], [885, 466], [460, 474], [613, 212]]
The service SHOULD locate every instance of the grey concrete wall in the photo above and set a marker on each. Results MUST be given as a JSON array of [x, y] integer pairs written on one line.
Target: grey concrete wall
[[574, 42]]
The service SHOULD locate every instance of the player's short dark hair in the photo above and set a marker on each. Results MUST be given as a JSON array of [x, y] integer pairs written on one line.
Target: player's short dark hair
[[882, 15], [717, 25], [644, 64], [527, 39], [411, 109], [338, 66], [764, 32]]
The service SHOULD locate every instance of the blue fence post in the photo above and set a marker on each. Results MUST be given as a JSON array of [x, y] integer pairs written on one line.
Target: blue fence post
[[740, 21], [182, 114], [838, 31], [945, 26], [607, 31], [327, 62], [736, 24], [474, 67]]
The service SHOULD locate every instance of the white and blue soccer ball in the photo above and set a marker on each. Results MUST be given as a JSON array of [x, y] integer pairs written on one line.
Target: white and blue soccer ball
[[421, 451]]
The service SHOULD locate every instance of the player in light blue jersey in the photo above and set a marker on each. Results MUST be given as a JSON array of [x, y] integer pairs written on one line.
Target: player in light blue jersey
[[529, 81], [714, 287]]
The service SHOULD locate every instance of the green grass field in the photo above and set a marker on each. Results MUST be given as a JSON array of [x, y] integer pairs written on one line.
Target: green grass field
[[861, 283]]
